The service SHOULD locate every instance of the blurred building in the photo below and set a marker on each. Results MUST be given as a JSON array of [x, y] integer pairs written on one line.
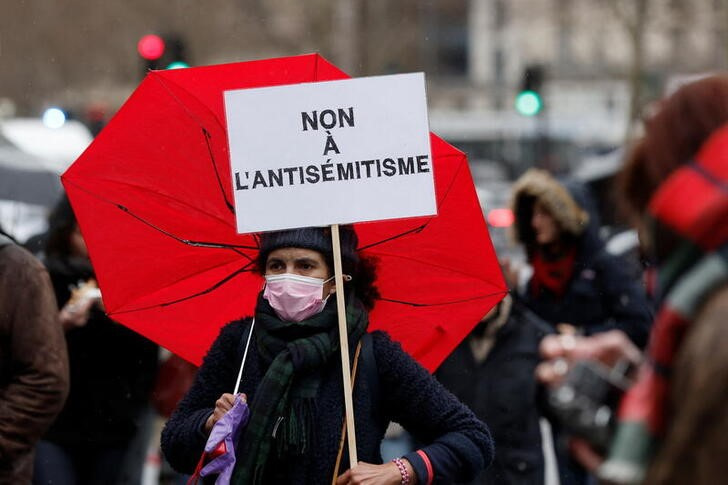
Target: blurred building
[[602, 61], [595, 56]]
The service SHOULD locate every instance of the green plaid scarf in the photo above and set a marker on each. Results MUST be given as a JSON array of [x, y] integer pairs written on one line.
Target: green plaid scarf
[[283, 408], [642, 412]]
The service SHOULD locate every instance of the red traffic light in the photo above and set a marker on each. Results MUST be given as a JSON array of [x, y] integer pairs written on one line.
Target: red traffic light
[[151, 47], [501, 217]]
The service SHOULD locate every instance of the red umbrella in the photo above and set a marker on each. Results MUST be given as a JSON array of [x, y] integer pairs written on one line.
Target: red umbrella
[[153, 197]]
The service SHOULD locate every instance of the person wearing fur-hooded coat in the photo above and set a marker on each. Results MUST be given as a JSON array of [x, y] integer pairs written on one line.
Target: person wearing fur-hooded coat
[[576, 285], [575, 281]]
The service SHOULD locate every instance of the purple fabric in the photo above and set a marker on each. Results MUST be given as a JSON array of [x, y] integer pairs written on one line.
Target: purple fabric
[[225, 430]]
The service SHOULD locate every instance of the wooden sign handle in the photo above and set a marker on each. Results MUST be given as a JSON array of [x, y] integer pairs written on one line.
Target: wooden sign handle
[[344, 345]]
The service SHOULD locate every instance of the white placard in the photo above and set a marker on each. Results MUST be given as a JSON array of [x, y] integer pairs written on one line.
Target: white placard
[[332, 152]]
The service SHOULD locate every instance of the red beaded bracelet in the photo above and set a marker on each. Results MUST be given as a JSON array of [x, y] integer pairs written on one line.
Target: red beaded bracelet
[[402, 471]]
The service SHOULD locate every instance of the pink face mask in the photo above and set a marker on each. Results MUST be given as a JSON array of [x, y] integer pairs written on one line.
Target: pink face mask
[[293, 297]]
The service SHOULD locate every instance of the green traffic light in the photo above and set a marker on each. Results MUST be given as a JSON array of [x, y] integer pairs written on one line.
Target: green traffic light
[[528, 103], [177, 65]]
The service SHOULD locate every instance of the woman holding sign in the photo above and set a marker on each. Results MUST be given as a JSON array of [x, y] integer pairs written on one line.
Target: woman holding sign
[[292, 380]]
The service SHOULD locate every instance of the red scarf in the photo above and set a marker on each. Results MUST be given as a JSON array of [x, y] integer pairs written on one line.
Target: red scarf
[[693, 203], [553, 274]]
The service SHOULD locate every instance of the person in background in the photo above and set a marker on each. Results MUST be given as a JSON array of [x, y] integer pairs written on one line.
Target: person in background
[[293, 383], [575, 283], [112, 371], [674, 419], [576, 286], [33, 360], [492, 372]]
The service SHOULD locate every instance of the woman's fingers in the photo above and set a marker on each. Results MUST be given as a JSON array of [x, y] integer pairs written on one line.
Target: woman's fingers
[[222, 406], [606, 347], [559, 351], [551, 347], [552, 372], [369, 474], [613, 346], [225, 403], [343, 478]]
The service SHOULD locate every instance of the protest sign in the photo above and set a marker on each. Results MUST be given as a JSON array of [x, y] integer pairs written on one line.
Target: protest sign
[[333, 152]]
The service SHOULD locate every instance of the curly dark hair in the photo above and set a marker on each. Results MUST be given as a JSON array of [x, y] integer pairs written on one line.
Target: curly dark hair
[[363, 277]]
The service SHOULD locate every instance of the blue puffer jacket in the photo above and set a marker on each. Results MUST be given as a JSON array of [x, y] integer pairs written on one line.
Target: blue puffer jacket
[[458, 444]]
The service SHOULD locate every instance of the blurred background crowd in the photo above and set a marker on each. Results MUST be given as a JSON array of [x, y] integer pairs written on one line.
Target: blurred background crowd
[[559, 86]]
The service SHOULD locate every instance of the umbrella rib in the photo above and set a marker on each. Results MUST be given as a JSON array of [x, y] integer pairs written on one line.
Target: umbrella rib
[[143, 188], [205, 132], [233, 247], [157, 78], [212, 288], [189, 242], [396, 236], [452, 181], [453, 302], [421, 228], [214, 167]]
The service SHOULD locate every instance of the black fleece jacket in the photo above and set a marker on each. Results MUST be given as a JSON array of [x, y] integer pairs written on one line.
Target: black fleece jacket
[[458, 445]]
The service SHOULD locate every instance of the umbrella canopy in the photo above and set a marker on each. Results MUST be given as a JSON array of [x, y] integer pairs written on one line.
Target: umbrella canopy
[[153, 197]]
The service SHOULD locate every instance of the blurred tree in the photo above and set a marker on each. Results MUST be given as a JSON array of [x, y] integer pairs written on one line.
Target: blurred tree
[[633, 16]]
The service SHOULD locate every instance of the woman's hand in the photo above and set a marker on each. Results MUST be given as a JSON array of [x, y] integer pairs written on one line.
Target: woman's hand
[[222, 406], [560, 351], [368, 474], [75, 314]]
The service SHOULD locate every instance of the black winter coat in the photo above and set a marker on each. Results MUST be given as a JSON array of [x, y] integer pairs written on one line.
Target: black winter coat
[[459, 445], [502, 391], [112, 372], [600, 296]]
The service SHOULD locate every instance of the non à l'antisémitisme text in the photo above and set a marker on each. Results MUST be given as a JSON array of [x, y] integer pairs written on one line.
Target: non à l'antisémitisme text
[[332, 172]]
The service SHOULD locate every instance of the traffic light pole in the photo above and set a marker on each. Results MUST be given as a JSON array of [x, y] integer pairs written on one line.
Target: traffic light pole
[[543, 142]]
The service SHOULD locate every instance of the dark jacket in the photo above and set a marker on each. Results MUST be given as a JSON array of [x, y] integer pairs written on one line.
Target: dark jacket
[[501, 390], [33, 361], [600, 294], [112, 371], [459, 445]]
